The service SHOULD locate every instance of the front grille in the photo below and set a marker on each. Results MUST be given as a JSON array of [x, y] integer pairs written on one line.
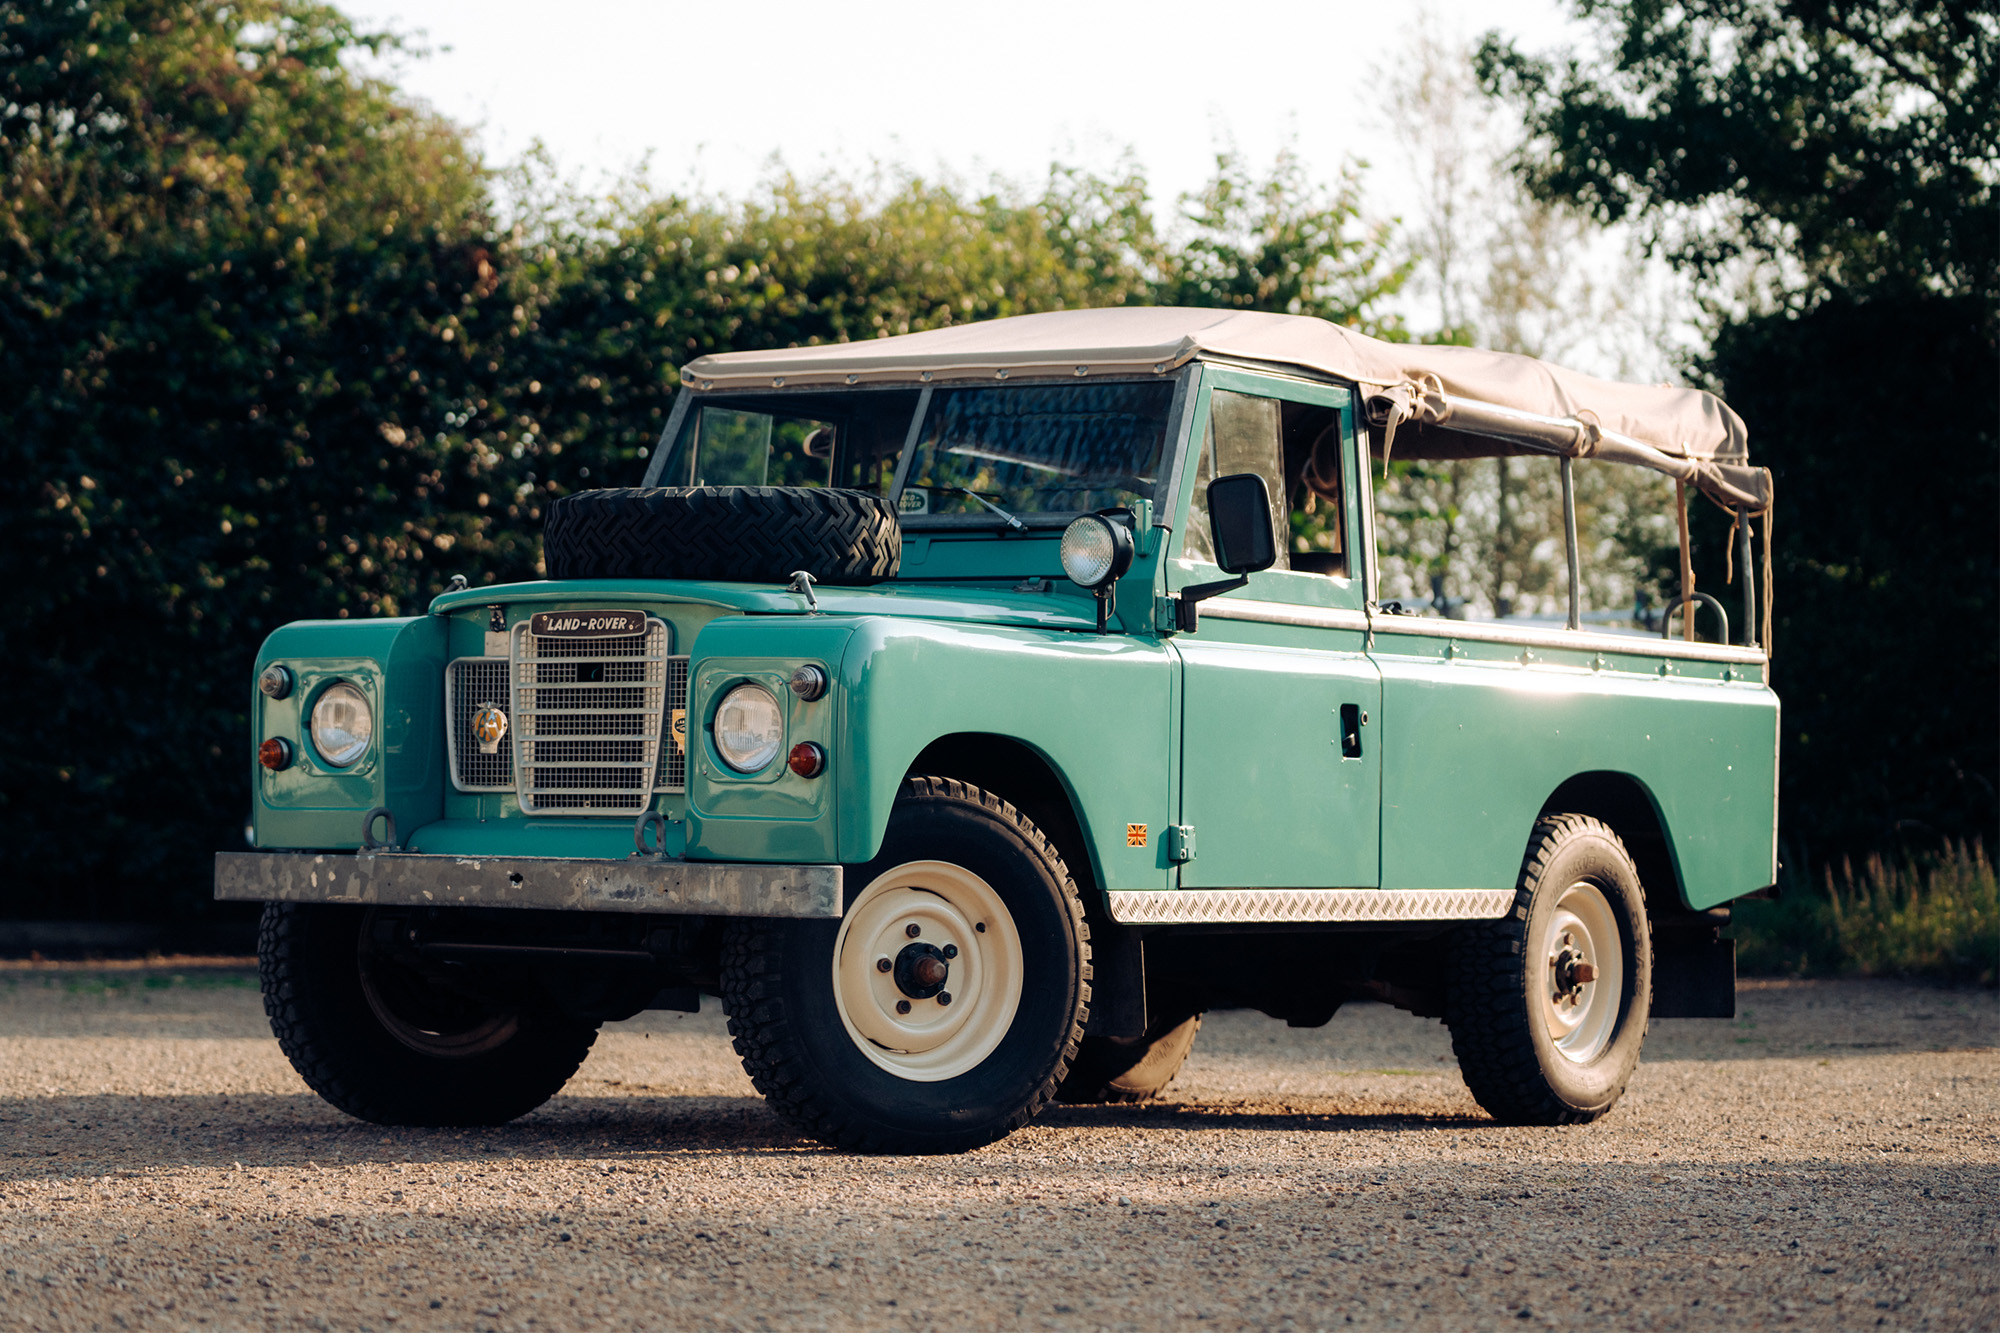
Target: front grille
[[470, 684], [673, 752], [588, 716]]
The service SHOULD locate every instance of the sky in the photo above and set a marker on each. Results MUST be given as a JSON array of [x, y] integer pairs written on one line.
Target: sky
[[709, 94]]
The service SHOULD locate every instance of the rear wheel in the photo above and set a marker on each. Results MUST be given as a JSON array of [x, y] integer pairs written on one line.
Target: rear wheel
[[386, 1042], [943, 1009], [1130, 1069], [1547, 1006]]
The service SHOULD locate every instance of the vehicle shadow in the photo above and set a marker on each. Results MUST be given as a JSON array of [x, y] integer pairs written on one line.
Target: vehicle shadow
[[105, 1134]]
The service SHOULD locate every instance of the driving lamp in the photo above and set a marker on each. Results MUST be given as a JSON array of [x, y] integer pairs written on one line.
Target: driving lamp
[[342, 724], [1095, 550], [749, 728]]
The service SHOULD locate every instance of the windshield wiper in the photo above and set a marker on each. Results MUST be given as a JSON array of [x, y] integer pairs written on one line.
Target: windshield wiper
[[1012, 522]]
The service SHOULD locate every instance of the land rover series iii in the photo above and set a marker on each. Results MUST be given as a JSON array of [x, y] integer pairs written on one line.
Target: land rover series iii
[[967, 711]]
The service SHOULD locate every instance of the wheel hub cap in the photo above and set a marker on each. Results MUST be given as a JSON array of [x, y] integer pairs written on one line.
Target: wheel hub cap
[[1582, 983], [954, 971], [921, 971]]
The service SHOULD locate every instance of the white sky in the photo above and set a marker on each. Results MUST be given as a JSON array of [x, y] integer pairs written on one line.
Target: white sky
[[712, 91]]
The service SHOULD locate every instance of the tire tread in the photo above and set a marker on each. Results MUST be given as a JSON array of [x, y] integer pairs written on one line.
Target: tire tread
[[772, 1050]]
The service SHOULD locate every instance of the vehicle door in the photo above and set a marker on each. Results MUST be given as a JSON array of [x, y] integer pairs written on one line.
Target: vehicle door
[[1280, 780]]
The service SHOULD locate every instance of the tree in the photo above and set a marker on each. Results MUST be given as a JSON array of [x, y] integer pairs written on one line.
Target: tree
[[1282, 243], [1826, 169], [1840, 145], [250, 315]]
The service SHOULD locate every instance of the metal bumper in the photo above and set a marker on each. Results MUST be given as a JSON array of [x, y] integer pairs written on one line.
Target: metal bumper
[[653, 885]]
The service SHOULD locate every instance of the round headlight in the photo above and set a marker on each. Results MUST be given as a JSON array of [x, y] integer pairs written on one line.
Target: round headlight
[[342, 725], [749, 728], [1095, 550]]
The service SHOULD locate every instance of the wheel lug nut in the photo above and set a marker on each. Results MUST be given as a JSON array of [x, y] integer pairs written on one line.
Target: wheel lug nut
[[944, 997], [883, 965], [981, 927], [902, 1006], [913, 930], [950, 951]]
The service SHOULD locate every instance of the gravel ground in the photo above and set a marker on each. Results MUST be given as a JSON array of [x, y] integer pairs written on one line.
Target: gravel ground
[[1828, 1159]]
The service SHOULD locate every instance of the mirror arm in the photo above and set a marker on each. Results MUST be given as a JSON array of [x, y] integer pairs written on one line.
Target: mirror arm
[[1187, 611]]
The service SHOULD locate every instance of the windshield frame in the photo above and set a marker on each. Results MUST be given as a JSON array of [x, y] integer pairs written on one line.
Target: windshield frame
[[1165, 488]]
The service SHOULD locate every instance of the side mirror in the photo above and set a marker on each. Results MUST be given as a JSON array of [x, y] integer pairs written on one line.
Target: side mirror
[[1239, 517]]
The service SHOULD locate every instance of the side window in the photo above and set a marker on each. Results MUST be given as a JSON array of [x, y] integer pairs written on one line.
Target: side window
[[1297, 449], [1315, 442], [759, 449], [1245, 434]]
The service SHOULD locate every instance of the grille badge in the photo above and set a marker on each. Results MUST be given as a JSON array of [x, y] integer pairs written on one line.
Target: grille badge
[[489, 725]]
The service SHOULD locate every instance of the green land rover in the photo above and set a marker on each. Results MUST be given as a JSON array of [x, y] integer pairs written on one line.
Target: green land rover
[[972, 710]]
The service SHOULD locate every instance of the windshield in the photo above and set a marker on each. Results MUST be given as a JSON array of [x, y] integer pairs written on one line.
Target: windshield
[[1028, 448], [1034, 448], [848, 439]]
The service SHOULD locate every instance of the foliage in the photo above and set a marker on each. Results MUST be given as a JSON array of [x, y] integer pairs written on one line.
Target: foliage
[[1936, 917], [248, 313], [1888, 588], [266, 354], [1282, 243], [1847, 145], [1828, 170]]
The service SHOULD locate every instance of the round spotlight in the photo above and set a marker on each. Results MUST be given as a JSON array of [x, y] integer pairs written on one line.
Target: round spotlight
[[1096, 550]]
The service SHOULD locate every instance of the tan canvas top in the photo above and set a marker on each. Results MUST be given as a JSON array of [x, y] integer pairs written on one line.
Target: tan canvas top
[[1423, 401]]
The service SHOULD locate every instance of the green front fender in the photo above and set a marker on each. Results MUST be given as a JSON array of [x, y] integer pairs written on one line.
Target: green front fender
[[1101, 710]]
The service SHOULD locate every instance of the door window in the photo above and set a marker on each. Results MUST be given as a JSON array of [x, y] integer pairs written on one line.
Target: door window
[[1297, 449]]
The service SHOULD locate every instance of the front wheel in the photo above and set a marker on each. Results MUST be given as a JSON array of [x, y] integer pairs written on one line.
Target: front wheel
[[385, 1041], [943, 1009], [1548, 1005]]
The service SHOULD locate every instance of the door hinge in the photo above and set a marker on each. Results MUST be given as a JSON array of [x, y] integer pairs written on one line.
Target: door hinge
[[1180, 843]]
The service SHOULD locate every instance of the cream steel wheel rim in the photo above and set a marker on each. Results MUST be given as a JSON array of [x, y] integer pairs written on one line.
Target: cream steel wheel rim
[[1582, 973], [956, 917]]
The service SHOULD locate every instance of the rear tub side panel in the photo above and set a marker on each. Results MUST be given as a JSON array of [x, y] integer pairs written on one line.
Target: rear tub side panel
[[397, 664], [1098, 709], [1472, 749]]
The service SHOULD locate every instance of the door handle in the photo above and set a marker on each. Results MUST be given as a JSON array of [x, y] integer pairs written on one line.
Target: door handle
[[1352, 720]]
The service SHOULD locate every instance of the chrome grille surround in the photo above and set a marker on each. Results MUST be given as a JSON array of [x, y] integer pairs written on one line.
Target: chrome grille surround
[[470, 683], [587, 719]]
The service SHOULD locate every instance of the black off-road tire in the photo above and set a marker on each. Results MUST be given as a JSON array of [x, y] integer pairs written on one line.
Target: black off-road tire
[[1506, 1052], [778, 990], [1122, 1070], [738, 534], [309, 960]]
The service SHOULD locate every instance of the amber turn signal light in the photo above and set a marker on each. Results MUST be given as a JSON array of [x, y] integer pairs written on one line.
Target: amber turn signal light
[[807, 760], [275, 754]]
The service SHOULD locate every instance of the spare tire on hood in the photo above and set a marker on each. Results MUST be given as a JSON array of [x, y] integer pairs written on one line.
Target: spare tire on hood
[[733, 534]]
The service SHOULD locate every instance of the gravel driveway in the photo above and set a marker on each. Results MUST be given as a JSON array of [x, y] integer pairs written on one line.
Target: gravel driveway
[[1827, 1159]]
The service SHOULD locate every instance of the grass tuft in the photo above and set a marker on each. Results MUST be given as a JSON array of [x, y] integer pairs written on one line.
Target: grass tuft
[[1936, 917]]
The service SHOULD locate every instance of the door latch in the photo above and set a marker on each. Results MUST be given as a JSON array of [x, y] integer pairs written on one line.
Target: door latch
[[1352, 720], [1180, 843]]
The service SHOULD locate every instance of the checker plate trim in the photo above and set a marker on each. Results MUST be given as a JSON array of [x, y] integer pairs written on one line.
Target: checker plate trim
[[1211, 906]]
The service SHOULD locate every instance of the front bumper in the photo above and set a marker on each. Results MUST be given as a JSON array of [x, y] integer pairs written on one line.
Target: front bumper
[[642, 884]]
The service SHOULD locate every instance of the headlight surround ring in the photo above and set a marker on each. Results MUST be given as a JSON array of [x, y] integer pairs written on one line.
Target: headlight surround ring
[[749, 728], [342, 725]]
